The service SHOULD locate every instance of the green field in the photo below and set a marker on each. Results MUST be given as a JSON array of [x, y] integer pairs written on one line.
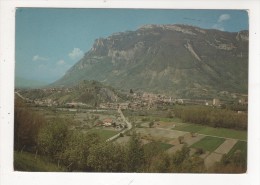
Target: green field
[[160, 146], [240, 145], [219, 132], [27, 162], [208, 143], [104, 134]]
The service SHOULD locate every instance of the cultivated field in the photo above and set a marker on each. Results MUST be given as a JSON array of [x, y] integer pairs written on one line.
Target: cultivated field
[[212, 142]]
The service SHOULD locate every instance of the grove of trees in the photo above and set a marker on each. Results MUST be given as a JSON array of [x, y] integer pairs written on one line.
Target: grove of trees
[[214, 117]]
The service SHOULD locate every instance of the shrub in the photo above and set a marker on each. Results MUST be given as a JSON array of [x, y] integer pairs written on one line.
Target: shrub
[[76, 151], [52, 138], [181, 139], [26, 127], [199, 151]]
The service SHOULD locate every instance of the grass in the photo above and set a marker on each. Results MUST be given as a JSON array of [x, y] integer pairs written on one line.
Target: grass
[[104, 134], [240, 145], [157, 146], [208, 143], [224, 132], [27, 162], [165, 146], [219, 132], [189, 127]]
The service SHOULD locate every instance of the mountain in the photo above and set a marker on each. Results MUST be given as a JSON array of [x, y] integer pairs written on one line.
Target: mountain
[[178, 60], [84, 93], [25, 83]]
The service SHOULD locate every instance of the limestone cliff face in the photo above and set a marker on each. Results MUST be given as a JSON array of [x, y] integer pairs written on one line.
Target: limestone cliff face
[[180, 60]]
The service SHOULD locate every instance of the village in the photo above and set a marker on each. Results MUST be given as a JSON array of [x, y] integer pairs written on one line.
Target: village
[[139, 100]]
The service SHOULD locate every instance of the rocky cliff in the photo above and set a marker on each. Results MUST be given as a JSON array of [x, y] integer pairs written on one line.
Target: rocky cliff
[[179, 60]]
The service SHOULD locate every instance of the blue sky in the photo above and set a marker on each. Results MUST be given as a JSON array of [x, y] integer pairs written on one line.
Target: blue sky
[[49, 41]]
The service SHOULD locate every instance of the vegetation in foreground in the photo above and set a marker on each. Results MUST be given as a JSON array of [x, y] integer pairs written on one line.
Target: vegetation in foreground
[[25, 161], [41, 145]]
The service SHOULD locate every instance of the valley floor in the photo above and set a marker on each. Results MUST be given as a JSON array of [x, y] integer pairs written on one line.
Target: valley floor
[[169, 133]]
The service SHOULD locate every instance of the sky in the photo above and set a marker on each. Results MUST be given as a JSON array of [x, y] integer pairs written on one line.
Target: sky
[[49, 41]]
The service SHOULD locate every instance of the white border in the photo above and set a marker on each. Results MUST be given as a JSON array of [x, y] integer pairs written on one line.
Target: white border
[[7, 45]]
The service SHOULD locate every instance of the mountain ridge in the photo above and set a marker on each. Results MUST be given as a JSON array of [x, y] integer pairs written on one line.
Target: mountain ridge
[[180, 60]]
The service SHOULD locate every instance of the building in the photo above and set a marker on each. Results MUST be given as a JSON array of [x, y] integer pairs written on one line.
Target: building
[[107, 122], [216, 102]]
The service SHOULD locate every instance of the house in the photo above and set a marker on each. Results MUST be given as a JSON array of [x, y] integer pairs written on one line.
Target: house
[[107, 122], [216, 102]]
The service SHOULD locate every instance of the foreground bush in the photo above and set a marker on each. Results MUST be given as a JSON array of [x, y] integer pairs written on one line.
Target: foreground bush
[[77, 149], [52, 139], [27, 125], [25, 161]]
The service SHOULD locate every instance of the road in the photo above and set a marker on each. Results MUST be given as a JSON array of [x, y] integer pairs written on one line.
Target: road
[[129, 126], [21, 96]]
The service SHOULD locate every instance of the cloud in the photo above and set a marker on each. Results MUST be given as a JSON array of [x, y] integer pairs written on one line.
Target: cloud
[[218, 27], [61, 62], [221, 21], [62, 65], [76, 53], [224, 17], [39, 58]]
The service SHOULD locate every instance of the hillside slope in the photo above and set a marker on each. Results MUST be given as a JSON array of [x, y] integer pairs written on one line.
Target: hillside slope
[[88, 93], [177, 60]]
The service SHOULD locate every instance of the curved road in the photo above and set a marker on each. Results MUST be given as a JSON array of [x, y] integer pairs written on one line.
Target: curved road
[[129, 126]]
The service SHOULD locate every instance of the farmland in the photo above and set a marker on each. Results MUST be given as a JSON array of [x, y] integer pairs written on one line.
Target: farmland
[[218, 132], [93, 131]]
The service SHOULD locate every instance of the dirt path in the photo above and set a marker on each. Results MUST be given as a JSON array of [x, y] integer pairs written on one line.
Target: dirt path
[[216, 156], [212, 158], [225, 147]]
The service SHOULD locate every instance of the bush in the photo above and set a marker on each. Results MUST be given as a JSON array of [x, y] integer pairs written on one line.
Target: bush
[[26, 127], [52, 138], [199, 151], [77, 148], [181, 139], [107, 157]]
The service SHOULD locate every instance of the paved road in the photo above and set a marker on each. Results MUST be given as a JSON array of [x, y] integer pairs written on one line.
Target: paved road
[[129, 126]]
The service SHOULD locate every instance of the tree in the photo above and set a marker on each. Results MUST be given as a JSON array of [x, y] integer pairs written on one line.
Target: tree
[[151, 151], [179, 157], [26, 127], [52, 138], [193, 164], [160, 163], [107, 157], [135, 154], [77, 149]]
